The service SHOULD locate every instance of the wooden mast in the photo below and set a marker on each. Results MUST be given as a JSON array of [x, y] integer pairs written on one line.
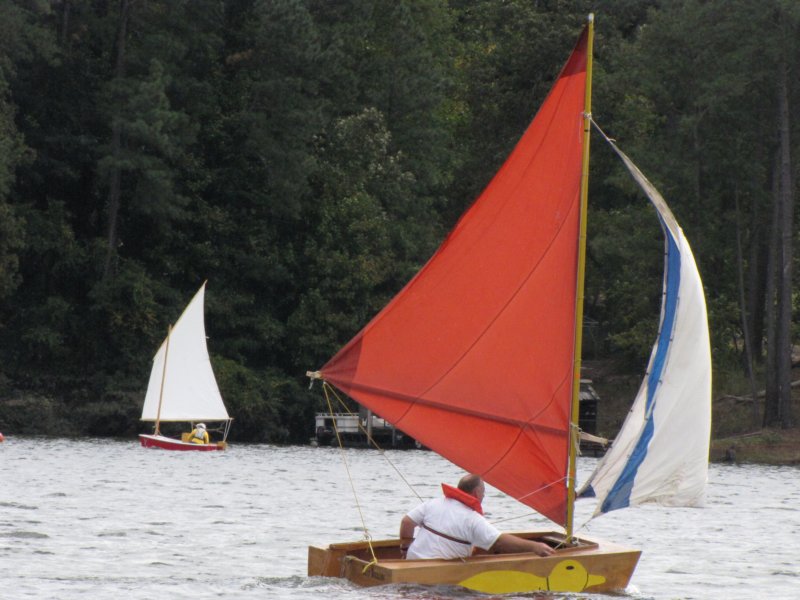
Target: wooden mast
[[574, 437], [163, 377]]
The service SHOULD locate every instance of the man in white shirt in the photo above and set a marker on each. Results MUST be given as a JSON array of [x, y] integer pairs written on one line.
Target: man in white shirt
[[450, 526]]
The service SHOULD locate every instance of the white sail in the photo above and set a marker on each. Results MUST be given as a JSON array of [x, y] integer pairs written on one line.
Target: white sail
[[661, 452], [190, 391]]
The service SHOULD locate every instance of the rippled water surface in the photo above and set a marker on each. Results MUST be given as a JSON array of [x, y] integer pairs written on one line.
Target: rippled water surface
[[109, 519]]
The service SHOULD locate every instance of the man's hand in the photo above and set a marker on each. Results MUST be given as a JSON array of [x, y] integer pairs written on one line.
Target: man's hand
[[543, 549], [508, 543]]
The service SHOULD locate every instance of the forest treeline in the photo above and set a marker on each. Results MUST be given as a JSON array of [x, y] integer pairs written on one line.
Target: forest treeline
[[306, 157]]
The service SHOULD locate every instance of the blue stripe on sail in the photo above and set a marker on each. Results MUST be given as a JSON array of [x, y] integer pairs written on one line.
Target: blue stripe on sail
[[620, 493]]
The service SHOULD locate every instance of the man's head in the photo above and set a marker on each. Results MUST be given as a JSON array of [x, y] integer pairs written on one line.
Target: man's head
[[472, 484]]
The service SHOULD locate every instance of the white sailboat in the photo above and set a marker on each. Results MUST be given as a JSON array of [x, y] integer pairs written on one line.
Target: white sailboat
[[182, 385]]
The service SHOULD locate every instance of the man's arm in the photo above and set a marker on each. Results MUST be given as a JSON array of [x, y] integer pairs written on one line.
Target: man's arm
[[407, 526], [511, 543]]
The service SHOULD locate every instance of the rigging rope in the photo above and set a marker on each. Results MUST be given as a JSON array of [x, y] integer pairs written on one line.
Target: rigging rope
[[367, 535], [328, 390], [544, 487], [371, 440], [610, 140]]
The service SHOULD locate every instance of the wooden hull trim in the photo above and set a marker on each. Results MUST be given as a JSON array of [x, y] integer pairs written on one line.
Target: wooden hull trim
[[166, 443], [592, 566]]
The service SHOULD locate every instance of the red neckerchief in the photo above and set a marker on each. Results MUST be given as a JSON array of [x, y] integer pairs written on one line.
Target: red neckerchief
[[463, 497]]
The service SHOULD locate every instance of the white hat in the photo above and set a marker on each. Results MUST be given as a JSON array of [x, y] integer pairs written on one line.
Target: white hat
[[201, 425]]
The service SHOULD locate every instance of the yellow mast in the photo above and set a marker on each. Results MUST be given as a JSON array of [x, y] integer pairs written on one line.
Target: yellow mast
[[576, 376]]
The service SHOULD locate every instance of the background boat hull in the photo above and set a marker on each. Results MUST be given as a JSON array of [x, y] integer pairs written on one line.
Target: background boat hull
[[165, 443]]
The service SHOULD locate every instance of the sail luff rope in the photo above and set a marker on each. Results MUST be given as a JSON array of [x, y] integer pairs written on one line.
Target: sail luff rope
[[372, 441], [367, 535]]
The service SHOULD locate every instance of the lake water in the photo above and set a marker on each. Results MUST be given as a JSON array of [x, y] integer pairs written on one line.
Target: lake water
[[96, 518]]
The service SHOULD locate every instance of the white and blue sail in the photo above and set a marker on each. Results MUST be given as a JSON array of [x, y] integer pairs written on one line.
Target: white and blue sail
[[661, 452]]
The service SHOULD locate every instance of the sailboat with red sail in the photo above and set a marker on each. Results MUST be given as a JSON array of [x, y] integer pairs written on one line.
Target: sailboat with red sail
[[478, 358]]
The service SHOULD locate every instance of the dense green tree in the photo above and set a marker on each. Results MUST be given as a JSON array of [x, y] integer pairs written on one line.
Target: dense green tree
[[513, 52], [399, 57], [13, 152], [260, 147], [306, 156], [11, 227], [354, 257], [702, 117], [25, 44]]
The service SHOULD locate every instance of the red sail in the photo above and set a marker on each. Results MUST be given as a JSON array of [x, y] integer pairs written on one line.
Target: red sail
[[474, 357]]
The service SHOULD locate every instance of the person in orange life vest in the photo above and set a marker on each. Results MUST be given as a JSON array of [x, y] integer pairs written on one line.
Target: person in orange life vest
[[449, 527], [199, 434]]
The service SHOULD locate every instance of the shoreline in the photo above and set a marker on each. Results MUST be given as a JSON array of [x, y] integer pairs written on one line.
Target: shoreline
[[772, 446]]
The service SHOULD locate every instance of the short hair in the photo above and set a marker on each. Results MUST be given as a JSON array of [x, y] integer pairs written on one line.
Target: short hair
[[469, 482]]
